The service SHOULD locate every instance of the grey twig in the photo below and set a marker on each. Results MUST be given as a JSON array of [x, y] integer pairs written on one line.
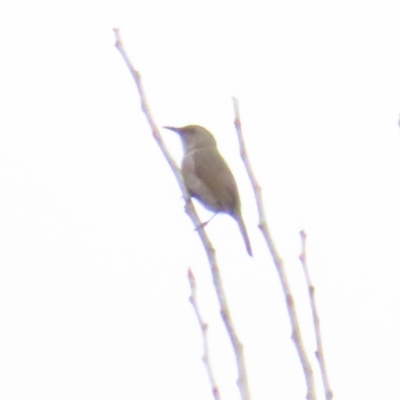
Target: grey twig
[[296, 335], [204, 328], [311, 291]]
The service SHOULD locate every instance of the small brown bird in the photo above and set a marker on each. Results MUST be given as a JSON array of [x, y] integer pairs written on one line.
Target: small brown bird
[[207, 175]]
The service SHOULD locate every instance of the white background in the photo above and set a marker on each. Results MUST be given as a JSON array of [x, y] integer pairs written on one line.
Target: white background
[[94, 242]]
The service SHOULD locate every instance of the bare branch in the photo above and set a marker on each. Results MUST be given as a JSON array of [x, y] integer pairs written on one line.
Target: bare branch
[[311, 291], [189, 208], [146, 111], [203, 327], [296, 335]]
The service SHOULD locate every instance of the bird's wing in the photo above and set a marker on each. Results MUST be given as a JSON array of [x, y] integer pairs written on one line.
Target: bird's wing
[[209, 179]]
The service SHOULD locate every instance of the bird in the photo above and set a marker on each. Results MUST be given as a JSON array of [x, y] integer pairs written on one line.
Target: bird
[[207, 176]]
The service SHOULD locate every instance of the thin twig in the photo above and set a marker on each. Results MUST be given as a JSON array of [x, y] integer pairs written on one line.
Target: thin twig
[[296, 335], [189, 208], [311, 291], [204, 328]]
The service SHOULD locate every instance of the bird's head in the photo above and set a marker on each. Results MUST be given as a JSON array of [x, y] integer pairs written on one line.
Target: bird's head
[[194, 137]]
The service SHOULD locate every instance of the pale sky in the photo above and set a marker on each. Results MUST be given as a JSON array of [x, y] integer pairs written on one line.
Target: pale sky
[[95, 244]]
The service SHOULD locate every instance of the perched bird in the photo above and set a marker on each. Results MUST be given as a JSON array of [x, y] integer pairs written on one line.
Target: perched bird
[[207, 175]]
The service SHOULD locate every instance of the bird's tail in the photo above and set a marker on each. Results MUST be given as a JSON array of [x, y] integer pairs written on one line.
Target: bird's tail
[[243, 231]]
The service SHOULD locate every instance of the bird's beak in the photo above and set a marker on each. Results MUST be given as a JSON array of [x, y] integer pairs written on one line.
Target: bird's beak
[[171, 128]]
